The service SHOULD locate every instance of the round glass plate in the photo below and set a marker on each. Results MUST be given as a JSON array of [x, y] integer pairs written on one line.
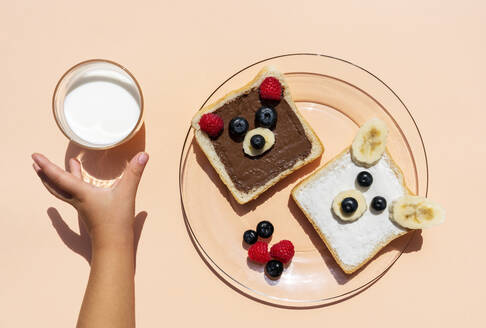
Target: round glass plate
[[336, 97]]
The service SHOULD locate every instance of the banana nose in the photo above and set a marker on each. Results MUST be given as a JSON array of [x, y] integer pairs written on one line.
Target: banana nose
[[258, 141]]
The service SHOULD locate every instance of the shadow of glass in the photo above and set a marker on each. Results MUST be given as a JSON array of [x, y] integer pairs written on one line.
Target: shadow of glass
[[80, 243], [251, 206], [102, 167]]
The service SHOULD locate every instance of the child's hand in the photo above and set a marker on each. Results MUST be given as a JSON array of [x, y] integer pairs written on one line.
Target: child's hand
[[107, 212]]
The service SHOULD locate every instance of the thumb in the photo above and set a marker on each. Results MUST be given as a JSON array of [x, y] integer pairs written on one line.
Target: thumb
[[133, 172]]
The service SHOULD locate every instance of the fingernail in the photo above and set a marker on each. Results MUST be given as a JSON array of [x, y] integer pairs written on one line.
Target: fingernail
[[34, 157], [142, 158]]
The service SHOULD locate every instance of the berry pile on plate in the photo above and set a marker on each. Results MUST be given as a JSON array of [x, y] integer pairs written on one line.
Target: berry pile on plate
[[280, 253]]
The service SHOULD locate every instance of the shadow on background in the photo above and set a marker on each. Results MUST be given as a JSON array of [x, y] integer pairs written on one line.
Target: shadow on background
[[102, 167], [80, 243]]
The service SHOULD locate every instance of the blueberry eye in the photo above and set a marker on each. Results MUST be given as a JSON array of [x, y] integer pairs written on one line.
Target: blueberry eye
[[364, 179], [349, 205], [266, 117], [378, 203], [238, 127], [257, 141]]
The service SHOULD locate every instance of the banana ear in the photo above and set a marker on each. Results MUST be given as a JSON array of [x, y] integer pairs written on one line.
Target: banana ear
[[369, 144]]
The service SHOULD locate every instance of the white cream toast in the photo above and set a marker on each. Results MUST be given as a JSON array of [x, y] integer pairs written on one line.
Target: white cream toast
[[354, 239]]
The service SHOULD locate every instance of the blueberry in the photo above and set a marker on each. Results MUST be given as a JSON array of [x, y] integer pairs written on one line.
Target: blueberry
[[264, 229], [238, 127], [349, 205], [364, 179], [378, 203], [274, 268], [266, 117], [257, 141], [250, 237]]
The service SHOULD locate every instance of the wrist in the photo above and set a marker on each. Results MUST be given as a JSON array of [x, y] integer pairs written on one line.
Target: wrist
[[108, 236]]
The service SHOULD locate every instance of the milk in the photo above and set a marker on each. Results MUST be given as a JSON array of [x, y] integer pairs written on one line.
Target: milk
[[102, 107]]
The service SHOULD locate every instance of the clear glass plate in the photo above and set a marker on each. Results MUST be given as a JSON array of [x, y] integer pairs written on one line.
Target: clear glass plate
[[336, 97]]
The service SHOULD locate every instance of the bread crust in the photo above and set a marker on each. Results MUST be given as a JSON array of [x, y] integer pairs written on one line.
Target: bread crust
[[347, 268], [208, 149]]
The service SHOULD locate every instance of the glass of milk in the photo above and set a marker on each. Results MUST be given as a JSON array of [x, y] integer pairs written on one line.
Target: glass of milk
[[98, 104]]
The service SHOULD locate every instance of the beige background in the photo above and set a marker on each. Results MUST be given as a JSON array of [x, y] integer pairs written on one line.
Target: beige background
[[431, 53]]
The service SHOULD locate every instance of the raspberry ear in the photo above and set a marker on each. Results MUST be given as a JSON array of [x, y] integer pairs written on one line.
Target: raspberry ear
[[270, 89], [212, 124]]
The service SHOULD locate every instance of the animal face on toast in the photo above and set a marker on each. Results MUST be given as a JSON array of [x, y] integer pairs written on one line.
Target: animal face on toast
[[358, 202], [255, 136]]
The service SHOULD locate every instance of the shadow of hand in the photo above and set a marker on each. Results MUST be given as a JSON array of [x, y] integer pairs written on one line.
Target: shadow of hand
[[80, 243]]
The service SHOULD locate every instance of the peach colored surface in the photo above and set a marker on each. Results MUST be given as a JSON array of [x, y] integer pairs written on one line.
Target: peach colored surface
[[431, 54]]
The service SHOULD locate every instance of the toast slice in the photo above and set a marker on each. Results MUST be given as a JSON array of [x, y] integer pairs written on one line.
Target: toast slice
[[352, 244], [296, 144]]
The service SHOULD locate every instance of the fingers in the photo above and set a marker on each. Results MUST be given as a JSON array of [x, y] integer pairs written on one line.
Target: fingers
[[53, 189], [133, 173], [36, 167], [59, 182], [75, 168]]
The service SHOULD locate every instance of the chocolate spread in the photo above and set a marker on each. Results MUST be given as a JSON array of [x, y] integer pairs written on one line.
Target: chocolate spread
[[291, 143]]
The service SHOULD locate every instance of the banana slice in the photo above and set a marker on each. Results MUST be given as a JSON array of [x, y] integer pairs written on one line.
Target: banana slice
[[267, 134], [416, 212], [370, 143], [354, 215]]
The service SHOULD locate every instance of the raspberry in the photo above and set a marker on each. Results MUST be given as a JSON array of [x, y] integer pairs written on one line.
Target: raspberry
[[212, 124], [258, 252], [283, 251], [271, 89]]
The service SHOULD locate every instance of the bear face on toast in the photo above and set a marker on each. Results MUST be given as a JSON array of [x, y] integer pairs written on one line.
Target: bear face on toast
[[359, 202], [255, 136]]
